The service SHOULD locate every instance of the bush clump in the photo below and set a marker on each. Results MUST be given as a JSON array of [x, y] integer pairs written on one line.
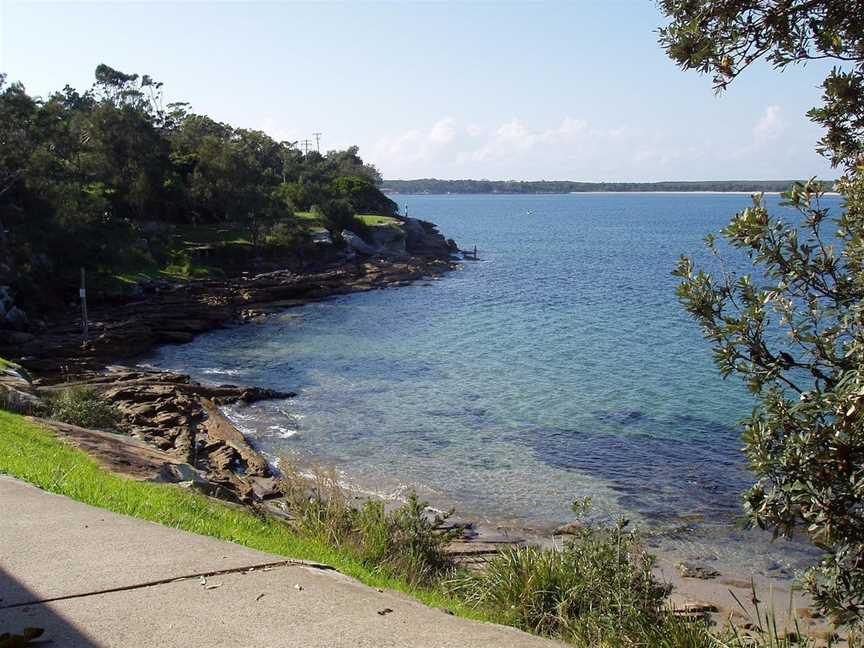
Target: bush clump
[[407, 542], [82, 406], [596, 586], [339, 215]]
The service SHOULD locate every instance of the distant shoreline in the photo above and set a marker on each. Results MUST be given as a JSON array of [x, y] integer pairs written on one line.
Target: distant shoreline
[[583, 193], [432, 186]]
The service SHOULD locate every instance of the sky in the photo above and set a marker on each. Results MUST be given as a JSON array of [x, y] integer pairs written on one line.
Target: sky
[[576, 90]]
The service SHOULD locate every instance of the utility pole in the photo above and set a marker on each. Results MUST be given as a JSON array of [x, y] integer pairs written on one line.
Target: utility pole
[[317, 137], [305, 144]]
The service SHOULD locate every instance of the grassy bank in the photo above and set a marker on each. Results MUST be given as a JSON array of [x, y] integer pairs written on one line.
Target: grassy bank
[[32, 453], [597, 591]]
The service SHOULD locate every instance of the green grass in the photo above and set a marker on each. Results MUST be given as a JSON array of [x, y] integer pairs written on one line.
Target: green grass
[[314, 220], [376, 220], [194, 236], [185, 241], [8, 364], [30, 452]]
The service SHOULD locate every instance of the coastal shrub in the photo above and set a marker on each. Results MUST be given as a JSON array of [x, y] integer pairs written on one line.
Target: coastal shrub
[[339, 215], [82, 406], [363, 195], [407, 542], [598, 587], [793, 327], [285, 234]]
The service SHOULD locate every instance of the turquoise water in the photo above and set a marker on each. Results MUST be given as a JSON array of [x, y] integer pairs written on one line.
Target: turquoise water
[[558, 365]]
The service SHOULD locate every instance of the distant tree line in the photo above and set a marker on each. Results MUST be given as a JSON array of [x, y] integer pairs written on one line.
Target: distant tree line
[[92, 179], [434, 186]]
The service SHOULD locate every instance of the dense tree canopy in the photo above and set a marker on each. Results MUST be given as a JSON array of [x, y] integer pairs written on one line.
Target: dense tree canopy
[[794, 326], [94, 179]]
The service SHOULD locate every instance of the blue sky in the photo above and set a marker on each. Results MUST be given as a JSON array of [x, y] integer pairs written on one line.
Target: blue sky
[[574, 90]]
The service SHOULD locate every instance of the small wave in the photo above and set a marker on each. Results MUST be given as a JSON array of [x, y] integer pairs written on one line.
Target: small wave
[[221, 371], [282, 432]]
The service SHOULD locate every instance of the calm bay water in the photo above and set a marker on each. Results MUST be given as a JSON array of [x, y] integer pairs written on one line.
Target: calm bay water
[[557, 366]]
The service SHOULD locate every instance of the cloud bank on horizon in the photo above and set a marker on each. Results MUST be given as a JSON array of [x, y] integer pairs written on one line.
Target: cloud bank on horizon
[[578, 149]]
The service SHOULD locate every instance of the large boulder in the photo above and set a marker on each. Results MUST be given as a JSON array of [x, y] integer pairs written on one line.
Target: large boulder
[[388, 238], [358, 244], [6, 301], [17, 392], [423, 239], [11, 317]]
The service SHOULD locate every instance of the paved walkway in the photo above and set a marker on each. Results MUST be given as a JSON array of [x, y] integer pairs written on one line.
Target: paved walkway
[[94, 578]]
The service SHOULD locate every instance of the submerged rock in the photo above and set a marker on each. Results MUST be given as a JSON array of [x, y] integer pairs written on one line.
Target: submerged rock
[[695, 570], [570, 528]]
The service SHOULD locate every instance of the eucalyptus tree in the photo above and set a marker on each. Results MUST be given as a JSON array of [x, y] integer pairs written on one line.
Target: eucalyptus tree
[[794, 326]]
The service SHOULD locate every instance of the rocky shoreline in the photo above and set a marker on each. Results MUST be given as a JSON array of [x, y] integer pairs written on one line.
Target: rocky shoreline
[[173, 313], [172, 429]]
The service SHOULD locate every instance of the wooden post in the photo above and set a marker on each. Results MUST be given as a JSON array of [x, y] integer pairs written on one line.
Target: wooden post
[[85, 325]]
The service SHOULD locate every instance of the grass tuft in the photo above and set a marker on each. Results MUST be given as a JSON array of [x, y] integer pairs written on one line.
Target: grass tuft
[[84, 407], [407, 542]]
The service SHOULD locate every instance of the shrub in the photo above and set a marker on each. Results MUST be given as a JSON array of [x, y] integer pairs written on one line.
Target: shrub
[[791, 324], [596, 586], [82, 406], [287, 235], [406, 542], [339, 215]]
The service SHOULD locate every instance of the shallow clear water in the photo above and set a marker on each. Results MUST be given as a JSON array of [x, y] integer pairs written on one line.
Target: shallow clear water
[[559, 365]]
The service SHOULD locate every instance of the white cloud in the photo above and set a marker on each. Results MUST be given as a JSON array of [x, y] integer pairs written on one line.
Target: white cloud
[[770, 126], [577, 149], [414, 145], [442, 132]]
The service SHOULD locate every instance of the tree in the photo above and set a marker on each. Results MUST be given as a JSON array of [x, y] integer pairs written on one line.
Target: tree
[[363, 195], [794, 329], [117, 173]]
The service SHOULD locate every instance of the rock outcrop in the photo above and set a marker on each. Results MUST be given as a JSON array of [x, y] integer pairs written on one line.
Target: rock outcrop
[[17, 392], [167, 421], [176, 313], [423, 239]]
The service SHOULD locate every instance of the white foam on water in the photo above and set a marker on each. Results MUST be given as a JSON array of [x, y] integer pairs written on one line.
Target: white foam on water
[[282, 432], [221, 371]]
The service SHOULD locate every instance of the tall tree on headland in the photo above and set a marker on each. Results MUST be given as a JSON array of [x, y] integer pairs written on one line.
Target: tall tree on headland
[[794, 329]]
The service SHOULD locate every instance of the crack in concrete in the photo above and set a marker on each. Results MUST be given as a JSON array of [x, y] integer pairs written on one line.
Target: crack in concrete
[[174, 579]]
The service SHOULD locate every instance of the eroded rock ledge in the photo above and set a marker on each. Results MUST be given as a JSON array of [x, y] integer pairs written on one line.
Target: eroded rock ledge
[[171, 429], [176, 312]]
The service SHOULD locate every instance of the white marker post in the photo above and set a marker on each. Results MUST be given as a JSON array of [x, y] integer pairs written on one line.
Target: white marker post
[[85, 326]]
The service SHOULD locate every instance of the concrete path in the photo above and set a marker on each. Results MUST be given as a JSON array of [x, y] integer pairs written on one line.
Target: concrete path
[[94, 578]]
